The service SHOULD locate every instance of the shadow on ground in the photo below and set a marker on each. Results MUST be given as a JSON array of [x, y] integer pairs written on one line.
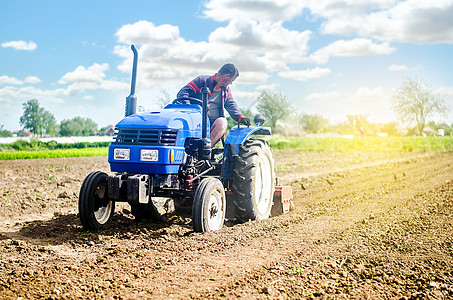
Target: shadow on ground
[[66, 228]]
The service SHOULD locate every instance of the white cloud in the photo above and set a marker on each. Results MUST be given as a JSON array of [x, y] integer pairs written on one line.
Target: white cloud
[[80, 80], [94, 73], [256, 40], [329, 96], [245, 99], [256, 48], [91, 78], [398, 68], [32, 79], [251, 77], [269, 86], [77, 88], [22, 94], [335, 8], [20, 45], [303, 75], [113, 85], [355, 47], [144, 32], [446, 91], [373, 102], [414, 21], [264, 10], [5, 95], [269, 45], [6, 80], [10, 80]]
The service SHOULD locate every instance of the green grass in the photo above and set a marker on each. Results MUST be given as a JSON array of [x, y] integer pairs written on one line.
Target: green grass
[[36, 144], [331, 144], [368, 144], [53, 153]]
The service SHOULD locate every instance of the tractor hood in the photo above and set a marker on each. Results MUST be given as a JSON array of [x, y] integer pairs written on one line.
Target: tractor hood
[[174, 116]]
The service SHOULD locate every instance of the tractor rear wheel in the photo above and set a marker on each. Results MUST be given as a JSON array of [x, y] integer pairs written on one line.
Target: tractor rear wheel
[[253, 180], [209, 206], [95, 208]]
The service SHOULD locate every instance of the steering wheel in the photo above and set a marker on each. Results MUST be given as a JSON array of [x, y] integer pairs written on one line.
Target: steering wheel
[[191, 99]]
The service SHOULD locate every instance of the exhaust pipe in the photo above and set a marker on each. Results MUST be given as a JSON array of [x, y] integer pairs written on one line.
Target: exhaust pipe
[[131, 100], [205, 150]]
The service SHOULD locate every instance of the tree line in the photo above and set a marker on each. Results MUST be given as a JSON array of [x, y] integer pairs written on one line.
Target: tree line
[[41, 122], [414, 104]]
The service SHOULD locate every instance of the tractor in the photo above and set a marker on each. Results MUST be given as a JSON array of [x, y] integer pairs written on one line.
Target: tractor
[[167, 153]]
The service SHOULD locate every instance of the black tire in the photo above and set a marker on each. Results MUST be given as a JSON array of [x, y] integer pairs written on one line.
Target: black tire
[[145, 211], [209, 206], [95, 208], [253, 181]]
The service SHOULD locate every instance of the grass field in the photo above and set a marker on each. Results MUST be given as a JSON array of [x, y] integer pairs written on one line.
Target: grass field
[[10, 155], [332, 144], [368, 144]]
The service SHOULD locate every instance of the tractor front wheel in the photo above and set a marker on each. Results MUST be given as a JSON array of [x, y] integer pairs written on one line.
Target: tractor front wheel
[[253, 181], [209, 206], [95, 208]]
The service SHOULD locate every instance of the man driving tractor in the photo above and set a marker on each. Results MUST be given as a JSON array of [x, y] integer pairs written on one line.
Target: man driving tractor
[[219, 98]]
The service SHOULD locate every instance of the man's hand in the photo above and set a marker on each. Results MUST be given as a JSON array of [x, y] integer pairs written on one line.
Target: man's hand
[[245, 121]]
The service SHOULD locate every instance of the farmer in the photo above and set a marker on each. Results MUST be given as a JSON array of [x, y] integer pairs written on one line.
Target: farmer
[[219, 97]]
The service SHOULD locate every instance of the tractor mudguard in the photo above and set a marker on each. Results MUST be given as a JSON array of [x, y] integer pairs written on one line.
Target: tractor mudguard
[[236, 137]]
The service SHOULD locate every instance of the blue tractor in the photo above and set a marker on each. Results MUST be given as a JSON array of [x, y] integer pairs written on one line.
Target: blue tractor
[[167, 154]]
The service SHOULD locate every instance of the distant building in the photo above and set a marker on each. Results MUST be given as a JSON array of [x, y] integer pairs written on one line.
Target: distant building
[[109, 131], [428, 131], [24, 133]]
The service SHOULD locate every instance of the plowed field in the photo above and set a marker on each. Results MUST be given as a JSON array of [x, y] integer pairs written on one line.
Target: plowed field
[[365, 226]]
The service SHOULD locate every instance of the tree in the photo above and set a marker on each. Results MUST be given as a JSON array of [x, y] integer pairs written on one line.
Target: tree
[[4, 132], [78, 126], [245, 111], [274, 106], [37, 119], [164, 99], [313, 123], [415, 102], [390, 128], [50, 123], [361, 124], [436, 126]]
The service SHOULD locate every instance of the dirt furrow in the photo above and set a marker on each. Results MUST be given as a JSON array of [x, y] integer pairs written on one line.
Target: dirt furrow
[[355, 233]]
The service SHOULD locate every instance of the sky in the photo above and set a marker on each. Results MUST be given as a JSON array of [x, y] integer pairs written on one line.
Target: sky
[[329, 57]]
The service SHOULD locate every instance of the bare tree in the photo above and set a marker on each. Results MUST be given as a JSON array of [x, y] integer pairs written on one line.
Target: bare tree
[[415, 102], [164, 99]]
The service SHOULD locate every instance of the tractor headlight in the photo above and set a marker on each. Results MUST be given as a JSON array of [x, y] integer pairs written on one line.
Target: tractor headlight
[[172, 155], [121, 154], [149, 154]]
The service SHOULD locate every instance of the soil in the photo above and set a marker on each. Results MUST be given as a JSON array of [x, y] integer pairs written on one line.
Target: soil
[[364, 226]]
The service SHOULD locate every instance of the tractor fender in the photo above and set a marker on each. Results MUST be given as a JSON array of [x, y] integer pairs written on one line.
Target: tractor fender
[[236, 137]]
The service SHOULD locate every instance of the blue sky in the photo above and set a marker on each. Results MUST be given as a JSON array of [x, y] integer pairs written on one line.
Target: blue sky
[[330, 57]]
